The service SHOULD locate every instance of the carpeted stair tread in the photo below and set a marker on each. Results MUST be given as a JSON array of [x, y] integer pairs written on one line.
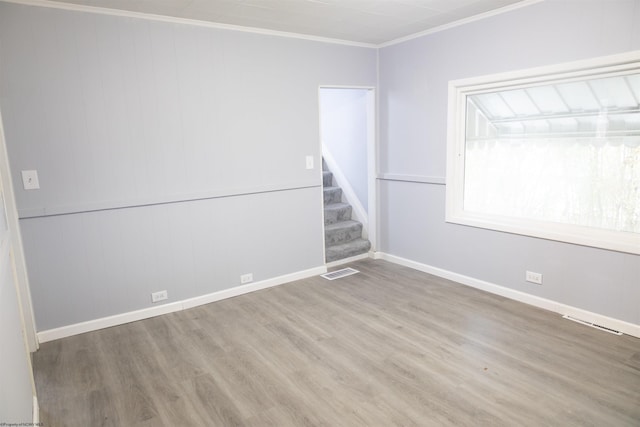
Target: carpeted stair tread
[[343, 225], [336, 206], [332, 195], [336, 212], [342, 232], [342, 235]]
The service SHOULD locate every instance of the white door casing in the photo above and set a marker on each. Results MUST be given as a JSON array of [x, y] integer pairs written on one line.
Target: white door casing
[[18, 403]]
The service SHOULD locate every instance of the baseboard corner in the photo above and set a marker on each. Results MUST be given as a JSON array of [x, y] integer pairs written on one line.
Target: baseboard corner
[[539, 302]]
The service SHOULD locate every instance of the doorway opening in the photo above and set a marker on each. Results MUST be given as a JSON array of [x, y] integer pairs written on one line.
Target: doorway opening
[[348, 145]]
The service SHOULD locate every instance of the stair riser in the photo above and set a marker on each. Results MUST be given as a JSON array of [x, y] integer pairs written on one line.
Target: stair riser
[[335, 253], [332, 195], [333, 216], [340, 236], [327, 179]]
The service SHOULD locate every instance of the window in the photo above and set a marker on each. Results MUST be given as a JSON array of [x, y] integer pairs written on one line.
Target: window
[[551, 152]]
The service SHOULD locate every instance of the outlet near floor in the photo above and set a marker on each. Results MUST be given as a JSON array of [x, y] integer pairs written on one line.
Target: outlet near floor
[[159, 296], [533, 277], [246, 278]]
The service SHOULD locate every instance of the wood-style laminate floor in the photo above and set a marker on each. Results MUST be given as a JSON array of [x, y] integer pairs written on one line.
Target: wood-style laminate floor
[[388, 346]]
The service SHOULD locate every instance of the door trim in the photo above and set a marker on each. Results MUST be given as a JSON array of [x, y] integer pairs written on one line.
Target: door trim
[[24, 293], [372, 158]]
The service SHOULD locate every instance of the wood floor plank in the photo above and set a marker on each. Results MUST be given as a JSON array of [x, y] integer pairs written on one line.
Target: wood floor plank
[[120, 351], [389, 346]]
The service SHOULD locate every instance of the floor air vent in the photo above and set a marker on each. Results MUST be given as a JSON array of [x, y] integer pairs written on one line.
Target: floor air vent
[[339, 273], [593, 325]]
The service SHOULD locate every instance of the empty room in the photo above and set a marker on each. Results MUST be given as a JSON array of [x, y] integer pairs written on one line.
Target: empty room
[[320, 213]]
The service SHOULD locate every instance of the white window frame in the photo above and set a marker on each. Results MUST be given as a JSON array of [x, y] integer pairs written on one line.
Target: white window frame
[[458, 92]]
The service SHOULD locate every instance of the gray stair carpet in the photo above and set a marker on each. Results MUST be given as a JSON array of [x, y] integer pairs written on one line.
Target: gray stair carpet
[[342, 235]]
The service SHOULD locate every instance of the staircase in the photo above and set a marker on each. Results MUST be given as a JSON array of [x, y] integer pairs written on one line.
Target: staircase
[[342, 235]]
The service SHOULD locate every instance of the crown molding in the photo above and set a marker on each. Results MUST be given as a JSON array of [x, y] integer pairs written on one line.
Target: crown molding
[[185, 21], [460, 22], [263, 31]]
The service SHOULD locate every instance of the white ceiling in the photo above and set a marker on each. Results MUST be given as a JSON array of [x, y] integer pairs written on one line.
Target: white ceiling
[[363, 21]]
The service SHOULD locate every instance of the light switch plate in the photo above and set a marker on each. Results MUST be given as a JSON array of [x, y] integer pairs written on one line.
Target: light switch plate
[[309, 162], [30, 180]]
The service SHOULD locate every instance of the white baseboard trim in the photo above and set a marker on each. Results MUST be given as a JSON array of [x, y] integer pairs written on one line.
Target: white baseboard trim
[[252, 287], [557, 307], [145, 313], [36, 411]]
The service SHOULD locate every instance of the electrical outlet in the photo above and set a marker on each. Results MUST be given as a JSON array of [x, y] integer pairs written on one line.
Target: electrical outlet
[[532, 277], [309, 160], [159, 296], [246, 278]]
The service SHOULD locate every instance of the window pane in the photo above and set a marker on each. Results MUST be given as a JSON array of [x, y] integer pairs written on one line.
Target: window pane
[[567, 152]]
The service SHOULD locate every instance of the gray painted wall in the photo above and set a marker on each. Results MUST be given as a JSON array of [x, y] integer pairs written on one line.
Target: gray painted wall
[[343, 126], [413, 108], [189, 143], [169, 156]]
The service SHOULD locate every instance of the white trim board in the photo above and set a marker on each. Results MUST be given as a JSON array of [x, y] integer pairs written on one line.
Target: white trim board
[[13, 222], [557, 307], [145, 313], [36, 411], [610, 238], [93, 206], [368, 218], [437, 180], [463, 21], [185, 21]]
